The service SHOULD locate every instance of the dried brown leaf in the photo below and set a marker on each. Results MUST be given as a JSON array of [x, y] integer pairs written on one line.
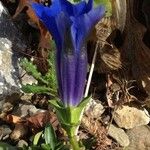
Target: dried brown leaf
[[134, 51], [19, 132], [41, 119], [34, 123], [45, 36], [95, 128]]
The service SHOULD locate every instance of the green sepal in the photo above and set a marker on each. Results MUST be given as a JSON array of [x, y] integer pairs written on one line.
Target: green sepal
[[69, 117]]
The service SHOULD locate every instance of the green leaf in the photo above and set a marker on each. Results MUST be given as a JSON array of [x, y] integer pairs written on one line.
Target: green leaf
[[56, 103], [38, 89], [37, 138], [51, 74], [32, 70], [5, 146], [33, 147], [61, 146], [46, 147], [50, 136]]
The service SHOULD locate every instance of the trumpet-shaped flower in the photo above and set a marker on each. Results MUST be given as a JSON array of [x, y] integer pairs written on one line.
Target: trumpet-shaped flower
[[70, 24]]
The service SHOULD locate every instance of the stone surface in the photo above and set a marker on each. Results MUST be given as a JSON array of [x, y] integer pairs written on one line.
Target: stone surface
[[26, 109], [26, 79], [22, 143], [95, 109], [12, 44], [4, 132], [20, 131], [119, 135], [9, 103], [130, 117], [139, 138]]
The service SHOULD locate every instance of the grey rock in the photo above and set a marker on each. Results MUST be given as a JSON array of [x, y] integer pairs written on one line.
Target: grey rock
[[95, 109], [4, 132], [12, 44], [19, 132], [10, 102], [106, 119], [26, 79], [26, 97], [139, 138], [130, 117], [119, 135], [26, 109]]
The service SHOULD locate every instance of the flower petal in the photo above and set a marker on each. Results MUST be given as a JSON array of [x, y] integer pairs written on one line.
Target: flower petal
[[80, 78], [54, 9], [89, 6], [83, 24], [48, 20], [51, 10], [38, 8], [68, 72], [63, 24], [73, 9]]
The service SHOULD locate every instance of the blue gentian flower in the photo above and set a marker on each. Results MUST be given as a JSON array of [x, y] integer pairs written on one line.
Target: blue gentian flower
[[70, 24]]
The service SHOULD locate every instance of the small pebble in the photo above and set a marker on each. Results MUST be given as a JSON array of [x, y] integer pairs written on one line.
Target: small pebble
[[4, 132], [22, 143]]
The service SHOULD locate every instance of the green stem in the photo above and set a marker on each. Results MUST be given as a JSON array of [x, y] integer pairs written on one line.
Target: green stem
[[74, 143]]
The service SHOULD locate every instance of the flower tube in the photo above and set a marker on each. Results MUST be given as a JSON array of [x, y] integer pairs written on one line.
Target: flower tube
[[70, 24]]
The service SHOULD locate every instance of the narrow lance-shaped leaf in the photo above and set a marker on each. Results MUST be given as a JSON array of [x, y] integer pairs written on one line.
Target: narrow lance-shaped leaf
[[50, 136], [38, 89], [37, 138], [32, 70]]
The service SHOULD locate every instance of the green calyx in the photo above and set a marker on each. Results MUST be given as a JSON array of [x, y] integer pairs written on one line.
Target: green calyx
[[69, 117]]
